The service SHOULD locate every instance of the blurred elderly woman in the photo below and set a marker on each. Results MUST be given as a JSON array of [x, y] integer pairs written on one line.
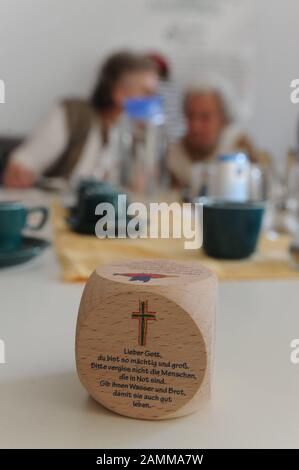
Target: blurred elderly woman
[[210, 131], [79, 138]]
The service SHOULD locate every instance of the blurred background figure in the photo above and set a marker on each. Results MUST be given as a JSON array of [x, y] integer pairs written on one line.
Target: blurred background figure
[[79, 138], [171, 96], [210, 132]]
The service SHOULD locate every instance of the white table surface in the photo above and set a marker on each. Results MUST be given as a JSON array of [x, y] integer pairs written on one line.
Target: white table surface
[[43, 404]]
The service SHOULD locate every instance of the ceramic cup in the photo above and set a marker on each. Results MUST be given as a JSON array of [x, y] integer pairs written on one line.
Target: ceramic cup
[[13, 220], [84, 218], [89, 201], [231, 229], [88, 184]]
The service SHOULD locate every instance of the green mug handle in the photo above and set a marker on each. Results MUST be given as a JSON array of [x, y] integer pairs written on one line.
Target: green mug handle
[[44, 217]]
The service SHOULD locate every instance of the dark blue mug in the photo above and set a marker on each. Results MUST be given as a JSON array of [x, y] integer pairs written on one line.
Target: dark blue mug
[[231, 229], [14, 219]]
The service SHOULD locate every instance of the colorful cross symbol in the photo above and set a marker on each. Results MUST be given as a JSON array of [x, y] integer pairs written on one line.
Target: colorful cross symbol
[[143, 316]]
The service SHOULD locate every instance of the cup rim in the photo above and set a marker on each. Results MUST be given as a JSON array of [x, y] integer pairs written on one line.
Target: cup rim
[[11, 205], [230, 205]]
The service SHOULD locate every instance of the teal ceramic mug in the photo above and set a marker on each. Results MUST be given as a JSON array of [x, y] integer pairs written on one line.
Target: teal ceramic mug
[[14, 218], [90, 199], [85, 216], [231, 229]]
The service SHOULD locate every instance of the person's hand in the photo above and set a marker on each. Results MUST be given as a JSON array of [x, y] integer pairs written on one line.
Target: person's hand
[[16, 176]]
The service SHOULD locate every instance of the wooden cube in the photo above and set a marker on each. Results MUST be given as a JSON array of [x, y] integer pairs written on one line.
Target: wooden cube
[[145, 337]]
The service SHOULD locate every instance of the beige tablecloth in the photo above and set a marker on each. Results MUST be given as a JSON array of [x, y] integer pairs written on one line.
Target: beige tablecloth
[[79, 255]]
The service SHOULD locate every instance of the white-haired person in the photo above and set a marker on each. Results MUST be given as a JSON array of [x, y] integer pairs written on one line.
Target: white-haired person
[[210, 131]]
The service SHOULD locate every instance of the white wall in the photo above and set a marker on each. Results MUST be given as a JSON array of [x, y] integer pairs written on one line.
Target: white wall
[[274, 124], [51, 48]]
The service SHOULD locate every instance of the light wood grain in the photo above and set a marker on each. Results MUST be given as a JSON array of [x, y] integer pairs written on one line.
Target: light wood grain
[[145, 336]]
